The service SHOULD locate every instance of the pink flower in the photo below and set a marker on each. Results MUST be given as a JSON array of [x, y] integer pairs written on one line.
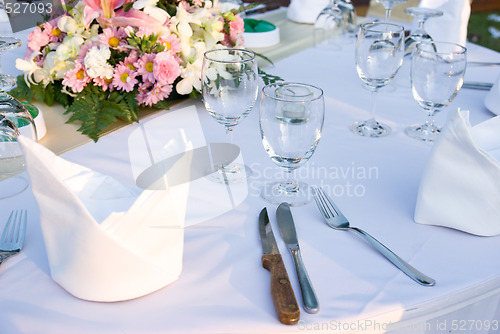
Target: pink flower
[[171, 43], [124, 78], [236, 29], [152, 94], [104, 83], [76, 79], [37, 39], [83, 51], [166, 69], [112, 37], [131, 59], [145, 67]]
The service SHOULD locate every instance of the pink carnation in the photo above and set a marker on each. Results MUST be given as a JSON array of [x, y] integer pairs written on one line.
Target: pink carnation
[[76, 79], [166, 69], [37, 39], [236, 29]]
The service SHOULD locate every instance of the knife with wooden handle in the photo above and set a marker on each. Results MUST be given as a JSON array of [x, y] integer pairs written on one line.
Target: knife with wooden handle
[[282, 293]]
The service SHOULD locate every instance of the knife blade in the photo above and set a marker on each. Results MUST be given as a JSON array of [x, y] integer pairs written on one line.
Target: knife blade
[[282, 293], [287, 229]]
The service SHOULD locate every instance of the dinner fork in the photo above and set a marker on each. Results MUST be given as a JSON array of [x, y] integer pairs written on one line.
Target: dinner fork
[[338, 221], [12, 238]]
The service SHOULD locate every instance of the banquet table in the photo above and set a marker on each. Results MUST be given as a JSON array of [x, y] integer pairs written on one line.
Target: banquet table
[[223, 287]]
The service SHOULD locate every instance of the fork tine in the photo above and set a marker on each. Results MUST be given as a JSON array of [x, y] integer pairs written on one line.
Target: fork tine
[[332, 207]]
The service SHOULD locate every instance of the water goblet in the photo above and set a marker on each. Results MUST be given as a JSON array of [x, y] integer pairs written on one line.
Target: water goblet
[[388, 5], [419, 34], [330, 28], [229, 80], [379, 55], [11, 160], [291, 121], [437, 74]]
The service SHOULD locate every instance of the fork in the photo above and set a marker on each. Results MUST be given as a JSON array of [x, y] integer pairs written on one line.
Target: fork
[[338, 221], [12, 238]]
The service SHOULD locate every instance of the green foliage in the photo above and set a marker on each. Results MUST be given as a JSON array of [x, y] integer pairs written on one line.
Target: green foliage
[[145, 44], [477, 30]]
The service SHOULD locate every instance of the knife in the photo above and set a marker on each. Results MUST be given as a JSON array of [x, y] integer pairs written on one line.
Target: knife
[[287, 229], [284, 300]]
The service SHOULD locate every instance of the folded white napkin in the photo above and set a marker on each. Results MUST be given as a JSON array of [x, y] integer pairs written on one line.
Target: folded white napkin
[[492, 100], [460, 186], [105, 242], [305, 11], [452, 26]]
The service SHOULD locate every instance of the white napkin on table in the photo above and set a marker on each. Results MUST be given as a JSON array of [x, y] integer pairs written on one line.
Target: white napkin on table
[[460, 186], [104, 242], [305, 11], [452, 26]]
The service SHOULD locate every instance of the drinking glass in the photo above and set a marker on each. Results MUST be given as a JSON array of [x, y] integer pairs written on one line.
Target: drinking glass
[[388, 5], [330, 28], [11, 160], [437, 74], [229, 79], [419, 34], [379, 55], [291, 120]]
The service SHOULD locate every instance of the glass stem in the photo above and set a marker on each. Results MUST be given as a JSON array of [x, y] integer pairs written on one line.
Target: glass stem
[[387, 15], [374, 103], [289, 185]]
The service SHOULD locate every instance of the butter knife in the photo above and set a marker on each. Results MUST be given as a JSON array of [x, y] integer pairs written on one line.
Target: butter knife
[[284, 300], [287, 229]]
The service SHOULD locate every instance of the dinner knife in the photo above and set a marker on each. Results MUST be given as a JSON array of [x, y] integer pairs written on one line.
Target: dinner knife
[[287, 229], [284, 300]]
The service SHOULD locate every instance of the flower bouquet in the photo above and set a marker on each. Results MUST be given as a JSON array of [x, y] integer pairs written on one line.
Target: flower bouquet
[[104, 59]]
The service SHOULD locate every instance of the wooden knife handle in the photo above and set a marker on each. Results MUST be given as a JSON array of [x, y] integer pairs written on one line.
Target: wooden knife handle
[[284, 300]]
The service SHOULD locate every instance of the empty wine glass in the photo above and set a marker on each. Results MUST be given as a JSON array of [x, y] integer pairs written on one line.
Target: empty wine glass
[[419, 34], [330, 28], [11, 160], [388, 5], [437, 74], [379, 55], [230, 86], [291, 121]]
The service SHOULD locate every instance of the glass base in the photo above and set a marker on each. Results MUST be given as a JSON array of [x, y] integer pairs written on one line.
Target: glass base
[[295, 194], [13, 186], [231, 174], [424, 132], [370, 128]]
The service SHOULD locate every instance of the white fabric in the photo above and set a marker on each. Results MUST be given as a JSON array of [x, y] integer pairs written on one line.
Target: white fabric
[[492, 100], [460, 187], [104, 242], [452, 26], [305, 11]]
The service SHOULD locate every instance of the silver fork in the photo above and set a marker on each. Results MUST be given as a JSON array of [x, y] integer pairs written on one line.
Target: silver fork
[[12, 238], [338, 221]]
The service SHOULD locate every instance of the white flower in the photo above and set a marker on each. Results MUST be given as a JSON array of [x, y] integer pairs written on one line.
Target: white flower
[[70, 26], [55, 66], [70, 47], [96, 62], [190, 78], [33, 74], [149, 7]]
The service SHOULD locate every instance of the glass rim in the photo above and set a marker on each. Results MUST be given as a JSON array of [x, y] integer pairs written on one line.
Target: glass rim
[[316, 96], [460, 48], [368, 27], [249, 52]]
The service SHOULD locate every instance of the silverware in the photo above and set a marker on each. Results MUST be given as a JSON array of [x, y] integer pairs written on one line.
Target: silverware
[[12, 238], [482, 63], [477, 85], [284, 300], [287, 229], [338, 221]]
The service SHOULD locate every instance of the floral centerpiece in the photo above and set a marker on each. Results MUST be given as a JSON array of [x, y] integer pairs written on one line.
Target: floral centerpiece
[[104, 59]]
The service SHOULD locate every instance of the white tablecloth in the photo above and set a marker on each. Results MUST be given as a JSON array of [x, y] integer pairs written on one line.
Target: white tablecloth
[[223, 287]]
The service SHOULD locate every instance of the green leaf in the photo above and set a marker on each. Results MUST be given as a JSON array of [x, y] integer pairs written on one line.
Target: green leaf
[[21, 91], [269, 78]]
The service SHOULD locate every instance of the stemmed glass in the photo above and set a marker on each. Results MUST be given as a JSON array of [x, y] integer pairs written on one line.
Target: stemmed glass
[[388, 5], [11, 160], [291, 120], [330, 27], [419, 34], [379, 55], [437, 74], [10, 107], [229, 79]]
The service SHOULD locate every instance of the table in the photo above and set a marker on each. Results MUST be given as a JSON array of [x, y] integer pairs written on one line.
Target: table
[[223, 287]]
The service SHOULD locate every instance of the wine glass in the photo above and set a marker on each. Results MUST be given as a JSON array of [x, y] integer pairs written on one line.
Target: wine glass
[[419, 34], [229, 79], [10, 107], [437, 74], [388, 5], [291, 120], [330, 28], [379, 55], [11, 160]]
